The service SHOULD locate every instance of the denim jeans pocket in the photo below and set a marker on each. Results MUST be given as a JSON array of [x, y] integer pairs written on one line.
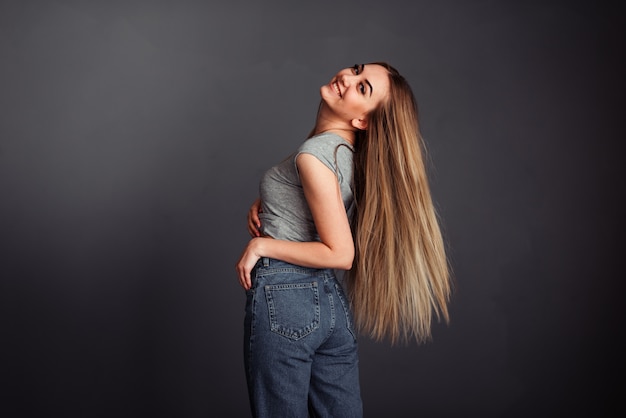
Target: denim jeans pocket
[[294, 308]]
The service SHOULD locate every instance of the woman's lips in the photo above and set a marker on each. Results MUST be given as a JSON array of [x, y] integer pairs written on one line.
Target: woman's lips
[[335, 87]]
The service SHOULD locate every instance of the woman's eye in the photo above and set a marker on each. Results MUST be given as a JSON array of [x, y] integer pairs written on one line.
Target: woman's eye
[[356, 68], [362, 88]]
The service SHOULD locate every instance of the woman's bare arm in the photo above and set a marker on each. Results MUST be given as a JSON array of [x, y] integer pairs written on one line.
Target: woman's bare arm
[[336, 248]]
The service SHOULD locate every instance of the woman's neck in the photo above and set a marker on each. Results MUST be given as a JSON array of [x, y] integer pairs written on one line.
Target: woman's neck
[[327, 121]]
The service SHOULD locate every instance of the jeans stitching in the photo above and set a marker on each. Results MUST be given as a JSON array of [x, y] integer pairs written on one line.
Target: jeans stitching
[[271, 291], [346, 309]]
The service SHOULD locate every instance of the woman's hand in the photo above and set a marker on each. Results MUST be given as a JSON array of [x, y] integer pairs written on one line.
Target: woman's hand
[[254, 223], [247, 261]]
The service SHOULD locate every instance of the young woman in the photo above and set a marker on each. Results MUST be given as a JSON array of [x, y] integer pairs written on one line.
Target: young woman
[[354, 197]]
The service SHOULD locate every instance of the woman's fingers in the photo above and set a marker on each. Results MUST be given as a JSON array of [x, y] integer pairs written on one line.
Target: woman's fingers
[[254, 223]]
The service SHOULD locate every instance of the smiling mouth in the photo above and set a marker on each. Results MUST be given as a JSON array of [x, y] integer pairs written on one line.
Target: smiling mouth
[[335, 86]]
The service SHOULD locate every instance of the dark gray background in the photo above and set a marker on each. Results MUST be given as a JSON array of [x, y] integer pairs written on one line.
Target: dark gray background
[[133, 135]]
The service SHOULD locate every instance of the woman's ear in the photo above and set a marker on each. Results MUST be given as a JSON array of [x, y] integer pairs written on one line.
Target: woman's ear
[[360, 124]]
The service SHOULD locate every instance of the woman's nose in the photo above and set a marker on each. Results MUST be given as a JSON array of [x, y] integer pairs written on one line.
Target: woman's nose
[[347, 79]]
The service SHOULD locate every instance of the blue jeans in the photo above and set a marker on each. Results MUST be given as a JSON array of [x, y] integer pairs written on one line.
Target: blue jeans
[[300, 349]]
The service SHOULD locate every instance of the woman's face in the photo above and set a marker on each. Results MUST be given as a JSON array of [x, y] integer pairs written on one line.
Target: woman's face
[[354, 92]]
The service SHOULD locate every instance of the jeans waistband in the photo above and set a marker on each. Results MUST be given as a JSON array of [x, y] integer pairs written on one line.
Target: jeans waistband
[[271, 263]]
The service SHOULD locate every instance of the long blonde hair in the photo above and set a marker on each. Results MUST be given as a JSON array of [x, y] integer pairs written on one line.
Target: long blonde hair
[[400, 278]]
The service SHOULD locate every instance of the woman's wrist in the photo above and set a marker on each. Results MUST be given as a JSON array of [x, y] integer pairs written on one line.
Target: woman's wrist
[[257, 246]]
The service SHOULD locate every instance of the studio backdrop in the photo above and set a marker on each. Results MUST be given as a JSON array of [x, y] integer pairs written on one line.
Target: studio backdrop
[[132, 138]]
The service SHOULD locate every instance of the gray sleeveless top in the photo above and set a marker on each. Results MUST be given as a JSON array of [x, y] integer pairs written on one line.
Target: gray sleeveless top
[[285, 213]]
